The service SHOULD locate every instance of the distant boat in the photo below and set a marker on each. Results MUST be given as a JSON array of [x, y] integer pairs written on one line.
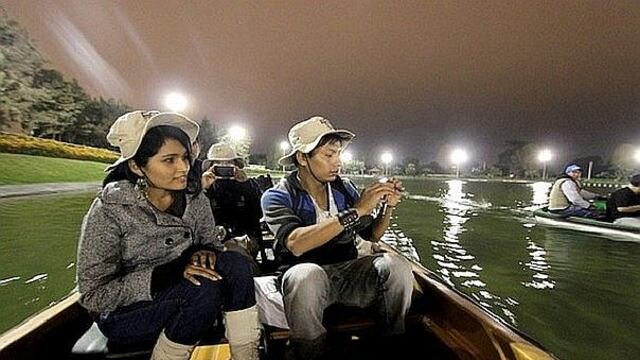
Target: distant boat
[[443, 324], [600, 227]]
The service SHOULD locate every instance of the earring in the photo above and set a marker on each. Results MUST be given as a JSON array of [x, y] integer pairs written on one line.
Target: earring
[[141, 188]]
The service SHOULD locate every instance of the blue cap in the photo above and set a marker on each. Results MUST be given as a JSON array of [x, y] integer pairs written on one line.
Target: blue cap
[[571, 168]]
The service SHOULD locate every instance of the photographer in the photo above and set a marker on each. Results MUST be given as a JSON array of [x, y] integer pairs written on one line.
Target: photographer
[[235, 199], [316, 217]]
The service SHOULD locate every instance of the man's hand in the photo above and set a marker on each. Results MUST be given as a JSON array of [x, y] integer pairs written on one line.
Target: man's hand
[[398, 189], [241, 176], [372, 195], [208, 178]]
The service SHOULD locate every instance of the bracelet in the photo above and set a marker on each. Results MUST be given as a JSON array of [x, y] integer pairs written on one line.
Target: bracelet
[[348, 218]]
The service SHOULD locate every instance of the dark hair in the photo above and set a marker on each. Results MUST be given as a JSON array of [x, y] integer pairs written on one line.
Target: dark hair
[[150, 145], [635, 180], [327, 139]]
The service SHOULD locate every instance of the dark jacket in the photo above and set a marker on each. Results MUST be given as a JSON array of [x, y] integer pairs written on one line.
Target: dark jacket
[[288, 206]]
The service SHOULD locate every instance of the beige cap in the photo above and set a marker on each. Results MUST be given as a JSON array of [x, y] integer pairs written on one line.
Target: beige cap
[[222, 152], [127, 131], [305, 136]]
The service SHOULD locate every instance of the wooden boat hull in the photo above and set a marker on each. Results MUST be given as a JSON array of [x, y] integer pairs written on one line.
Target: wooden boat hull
[[462, 327], [613, 231]]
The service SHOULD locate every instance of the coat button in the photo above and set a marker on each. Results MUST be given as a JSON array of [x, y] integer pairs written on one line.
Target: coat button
[[168, 242]]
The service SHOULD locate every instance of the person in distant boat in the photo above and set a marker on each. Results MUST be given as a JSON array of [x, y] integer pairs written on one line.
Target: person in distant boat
[[150, 266], [234, 199], [623, 206], [568, 198], [315, 216]]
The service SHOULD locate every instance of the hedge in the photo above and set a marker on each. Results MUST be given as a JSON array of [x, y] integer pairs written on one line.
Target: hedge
[[23, 144]]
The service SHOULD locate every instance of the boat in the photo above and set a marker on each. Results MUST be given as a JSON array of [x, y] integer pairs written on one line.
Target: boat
[[594, 226], [443, 323]]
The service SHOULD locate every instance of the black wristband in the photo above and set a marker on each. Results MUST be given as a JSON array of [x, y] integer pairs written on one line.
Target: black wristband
[[348, 218]]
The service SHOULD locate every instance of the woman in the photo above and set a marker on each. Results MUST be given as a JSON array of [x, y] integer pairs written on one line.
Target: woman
[[150, 268]]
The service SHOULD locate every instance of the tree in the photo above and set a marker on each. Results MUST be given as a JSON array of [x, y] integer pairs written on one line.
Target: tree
[[60, 105], [623, 162], [520, 159], [433, 167], [92, 126], [207, 136], [412, 166], [19, 62], [258, 159]]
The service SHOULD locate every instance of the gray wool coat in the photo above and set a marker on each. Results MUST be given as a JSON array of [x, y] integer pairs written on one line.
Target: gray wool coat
[[124, 237]]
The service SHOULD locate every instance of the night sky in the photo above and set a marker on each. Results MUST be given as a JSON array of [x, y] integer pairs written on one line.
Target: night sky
[[416, 77]]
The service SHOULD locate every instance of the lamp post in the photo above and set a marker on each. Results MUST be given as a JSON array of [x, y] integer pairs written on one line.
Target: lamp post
[[458, 157], [386, 158], [237, 133], [284, 146], [346, 157], [175, 102], [544, 156]]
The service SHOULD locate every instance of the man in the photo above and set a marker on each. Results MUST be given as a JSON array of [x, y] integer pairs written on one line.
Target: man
[[568, 198], [315, 216], [235, 200], [623, 206]]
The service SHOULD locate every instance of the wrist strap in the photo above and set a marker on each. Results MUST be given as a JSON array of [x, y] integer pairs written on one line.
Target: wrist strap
[[348, 218]]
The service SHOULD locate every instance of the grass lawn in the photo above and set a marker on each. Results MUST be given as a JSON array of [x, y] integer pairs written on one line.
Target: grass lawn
[[29, 169]]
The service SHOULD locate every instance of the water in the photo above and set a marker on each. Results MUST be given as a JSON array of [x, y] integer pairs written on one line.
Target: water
[[575, 293], [38, 239]]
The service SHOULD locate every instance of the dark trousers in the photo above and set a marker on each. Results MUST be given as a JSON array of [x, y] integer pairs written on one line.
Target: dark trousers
[[185, 311], [577, 211]]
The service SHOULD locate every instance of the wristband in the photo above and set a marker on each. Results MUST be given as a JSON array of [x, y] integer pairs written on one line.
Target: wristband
[[348, 218]]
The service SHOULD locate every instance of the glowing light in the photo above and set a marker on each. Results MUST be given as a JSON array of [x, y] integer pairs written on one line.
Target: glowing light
[[237, 133], [386, 158], [637, 155], [545, 155], [284, 146], [346, 156], [459, 156], [175, 102]]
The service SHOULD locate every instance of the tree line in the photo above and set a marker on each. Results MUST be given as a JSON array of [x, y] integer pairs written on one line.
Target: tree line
[[37, 100]]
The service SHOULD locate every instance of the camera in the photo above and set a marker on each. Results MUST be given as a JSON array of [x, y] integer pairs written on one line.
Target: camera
[[224, 171]]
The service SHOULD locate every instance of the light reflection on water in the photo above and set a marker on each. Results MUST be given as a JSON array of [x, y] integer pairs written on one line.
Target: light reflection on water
[[481, 238]]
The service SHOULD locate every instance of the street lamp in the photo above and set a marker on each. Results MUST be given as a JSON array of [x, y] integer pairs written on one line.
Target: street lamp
[[386, 158], [544, 156], [458, 157], [284, 146], [346, 157], [175, 102], [237, 133]]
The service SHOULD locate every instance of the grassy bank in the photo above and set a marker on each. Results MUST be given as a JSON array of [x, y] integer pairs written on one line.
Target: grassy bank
[[29, 169]]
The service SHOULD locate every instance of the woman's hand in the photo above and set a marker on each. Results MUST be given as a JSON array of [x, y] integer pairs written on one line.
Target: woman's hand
[[202, 263]]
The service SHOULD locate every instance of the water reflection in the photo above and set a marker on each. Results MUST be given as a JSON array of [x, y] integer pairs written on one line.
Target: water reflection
[[455, 263], [540, 267], [540, 192], [538, 263], [453, 257]]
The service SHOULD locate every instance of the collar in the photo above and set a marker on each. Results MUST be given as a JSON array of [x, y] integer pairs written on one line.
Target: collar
[[123, 192]]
